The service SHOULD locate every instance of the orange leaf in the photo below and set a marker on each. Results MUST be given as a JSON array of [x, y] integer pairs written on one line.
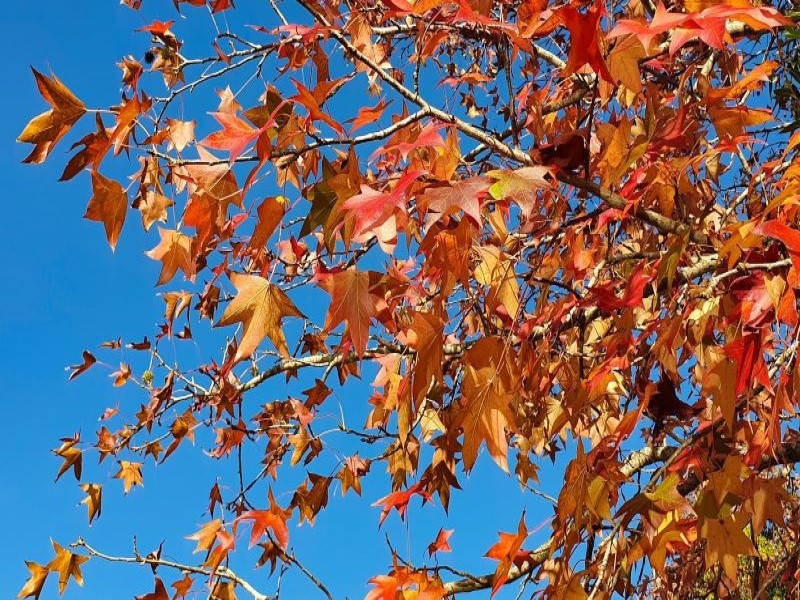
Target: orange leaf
[[175, 252], [273, 519], [73, 457], [88, 361], [351, 303], [259, 306], [160, 593], [507, 551], [130, 473], [206, 536], [67, 565], [183, 586], [109, 205], [49, 127], [93, 500], [33, 587]]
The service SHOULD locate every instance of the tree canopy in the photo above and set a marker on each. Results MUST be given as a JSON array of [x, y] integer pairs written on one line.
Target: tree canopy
[[539, 232]]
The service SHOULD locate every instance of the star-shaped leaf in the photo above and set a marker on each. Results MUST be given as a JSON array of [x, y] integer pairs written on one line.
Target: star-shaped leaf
[[175, 252], [108, 204], [93, 500], [259, 306], [350, 302], [130, 473], [33, 587], [49, 127], [67, 565]]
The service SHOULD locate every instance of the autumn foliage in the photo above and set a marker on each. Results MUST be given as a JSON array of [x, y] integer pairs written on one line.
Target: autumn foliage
[[540, 231]]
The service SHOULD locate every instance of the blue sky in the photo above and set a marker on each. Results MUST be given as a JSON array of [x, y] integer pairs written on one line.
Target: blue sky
[[66, 291]]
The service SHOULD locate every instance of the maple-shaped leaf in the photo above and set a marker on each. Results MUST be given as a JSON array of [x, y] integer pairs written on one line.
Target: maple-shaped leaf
[[623, 62], [175, 252], [88, 361], [130, 473], [521, 185], [273, 519], [182, 586], [652, 505], [206, 536], [507, 551], [465, 195], [67, 565], [484, 412], [351, 473], [367, 115], [399, 501], [305, 98], [46, 129], [428, 137], [109, 205], [180, 134], [225, 542], [260, 306], [157, 28], [725, 543], [371, 207], [33, 587], [160, 592], [153, 207], [93, 500], [708, 25], [584, 47], [270, 213], [351, 303], [426, 336], [662, 22], [441, 543], [788, 236], [72, 455], [235, 136], [764, 500]]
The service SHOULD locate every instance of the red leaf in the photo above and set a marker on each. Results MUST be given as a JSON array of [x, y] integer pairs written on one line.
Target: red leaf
[[782, 232], [157, 27], [584, 46], [746, 351], [441, 543], [371, 207], [399, 501]]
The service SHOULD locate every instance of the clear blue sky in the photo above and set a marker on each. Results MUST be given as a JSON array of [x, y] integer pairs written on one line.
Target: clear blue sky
[[66, 291]]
